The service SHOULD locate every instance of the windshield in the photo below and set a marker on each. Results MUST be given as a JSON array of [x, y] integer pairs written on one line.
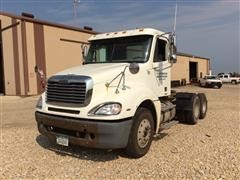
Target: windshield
[[118, 50], [211, 77]]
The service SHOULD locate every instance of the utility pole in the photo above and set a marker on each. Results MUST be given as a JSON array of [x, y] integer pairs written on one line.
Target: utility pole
[[75, 3]]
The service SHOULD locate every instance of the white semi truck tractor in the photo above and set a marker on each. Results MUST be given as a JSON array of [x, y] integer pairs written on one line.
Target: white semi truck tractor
[[121, 97]]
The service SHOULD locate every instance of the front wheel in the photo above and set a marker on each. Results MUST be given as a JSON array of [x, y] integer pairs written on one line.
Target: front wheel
[[141, 135], [219, 86], [199, 83]]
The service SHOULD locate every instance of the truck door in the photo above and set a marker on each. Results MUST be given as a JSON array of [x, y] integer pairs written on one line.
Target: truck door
[[161, 68], [226, 78], [221, 77]]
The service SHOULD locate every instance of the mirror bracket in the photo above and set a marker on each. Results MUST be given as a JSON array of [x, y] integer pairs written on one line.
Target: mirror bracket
[[84, 51]]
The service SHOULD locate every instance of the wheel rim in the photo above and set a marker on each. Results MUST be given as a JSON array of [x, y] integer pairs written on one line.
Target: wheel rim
[[144, 133], [197, 109]]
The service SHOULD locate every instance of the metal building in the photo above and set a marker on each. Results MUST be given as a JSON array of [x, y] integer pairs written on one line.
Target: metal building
[[189, 68], [29, 45], [30, 48]]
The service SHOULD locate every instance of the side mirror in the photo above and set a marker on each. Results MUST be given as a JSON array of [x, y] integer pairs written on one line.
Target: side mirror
[[172, 49], [84, 51]]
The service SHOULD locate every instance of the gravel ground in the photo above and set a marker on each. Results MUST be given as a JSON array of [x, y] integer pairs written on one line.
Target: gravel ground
[[208, 150]]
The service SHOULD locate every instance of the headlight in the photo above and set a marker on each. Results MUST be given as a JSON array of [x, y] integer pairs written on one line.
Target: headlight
[[39, 103], [110, 108]]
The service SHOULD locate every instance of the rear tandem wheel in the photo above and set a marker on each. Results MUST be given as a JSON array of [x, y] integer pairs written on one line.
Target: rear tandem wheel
[[191, 107]]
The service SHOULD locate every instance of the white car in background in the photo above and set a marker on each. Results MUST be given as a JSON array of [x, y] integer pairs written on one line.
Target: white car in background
[[210, 81], [226, 78]]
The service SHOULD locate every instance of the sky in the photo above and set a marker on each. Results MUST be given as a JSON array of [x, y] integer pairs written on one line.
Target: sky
[[208, 28]]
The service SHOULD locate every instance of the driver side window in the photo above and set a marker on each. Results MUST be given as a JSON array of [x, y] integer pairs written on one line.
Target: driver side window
[[160, 51]]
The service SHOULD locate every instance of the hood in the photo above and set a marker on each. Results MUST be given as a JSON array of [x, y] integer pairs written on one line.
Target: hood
[[214, 80], [101, 72]]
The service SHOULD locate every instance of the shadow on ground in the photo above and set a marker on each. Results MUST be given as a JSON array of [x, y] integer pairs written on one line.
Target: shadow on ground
[[78, 151], [160, 136], [99, 155]]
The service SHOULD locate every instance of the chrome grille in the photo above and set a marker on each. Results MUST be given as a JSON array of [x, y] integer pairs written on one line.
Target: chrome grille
[[68, 89]]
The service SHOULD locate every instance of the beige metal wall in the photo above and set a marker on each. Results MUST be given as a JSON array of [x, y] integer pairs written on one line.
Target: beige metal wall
[[8, 56], [62, 48], [181, 69], [30, 44], [31, 58]]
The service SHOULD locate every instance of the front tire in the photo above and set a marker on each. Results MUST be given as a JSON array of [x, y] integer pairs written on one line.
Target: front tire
[[199, 83], [141, 135]]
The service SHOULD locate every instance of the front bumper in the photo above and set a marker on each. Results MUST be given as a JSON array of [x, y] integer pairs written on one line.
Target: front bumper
[[213, 84], [83, 132]]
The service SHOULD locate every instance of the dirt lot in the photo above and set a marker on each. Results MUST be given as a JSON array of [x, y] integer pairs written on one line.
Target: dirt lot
[[208, 150]]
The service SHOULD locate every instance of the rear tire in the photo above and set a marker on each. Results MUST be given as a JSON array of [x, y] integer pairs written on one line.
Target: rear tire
[[141, 135], [234, 82], [180, 116], [203, 105], [192, 116]]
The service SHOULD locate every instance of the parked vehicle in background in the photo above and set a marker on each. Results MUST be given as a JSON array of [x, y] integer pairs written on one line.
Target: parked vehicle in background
[[226, 78], [210, 81]]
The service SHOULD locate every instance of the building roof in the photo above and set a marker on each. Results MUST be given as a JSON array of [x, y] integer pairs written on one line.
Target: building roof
[[190, 55], [38, 21]]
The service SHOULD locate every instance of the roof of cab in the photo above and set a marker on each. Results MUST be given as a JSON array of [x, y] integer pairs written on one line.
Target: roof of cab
[[124, 33]]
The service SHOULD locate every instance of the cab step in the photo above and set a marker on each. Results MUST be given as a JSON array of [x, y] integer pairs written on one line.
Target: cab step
[[167, 125]]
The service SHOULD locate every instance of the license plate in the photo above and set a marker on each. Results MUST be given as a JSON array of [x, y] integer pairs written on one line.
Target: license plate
[[62, 140]]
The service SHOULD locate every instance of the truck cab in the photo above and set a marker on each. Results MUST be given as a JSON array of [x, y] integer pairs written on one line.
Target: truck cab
[[120, 97]]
